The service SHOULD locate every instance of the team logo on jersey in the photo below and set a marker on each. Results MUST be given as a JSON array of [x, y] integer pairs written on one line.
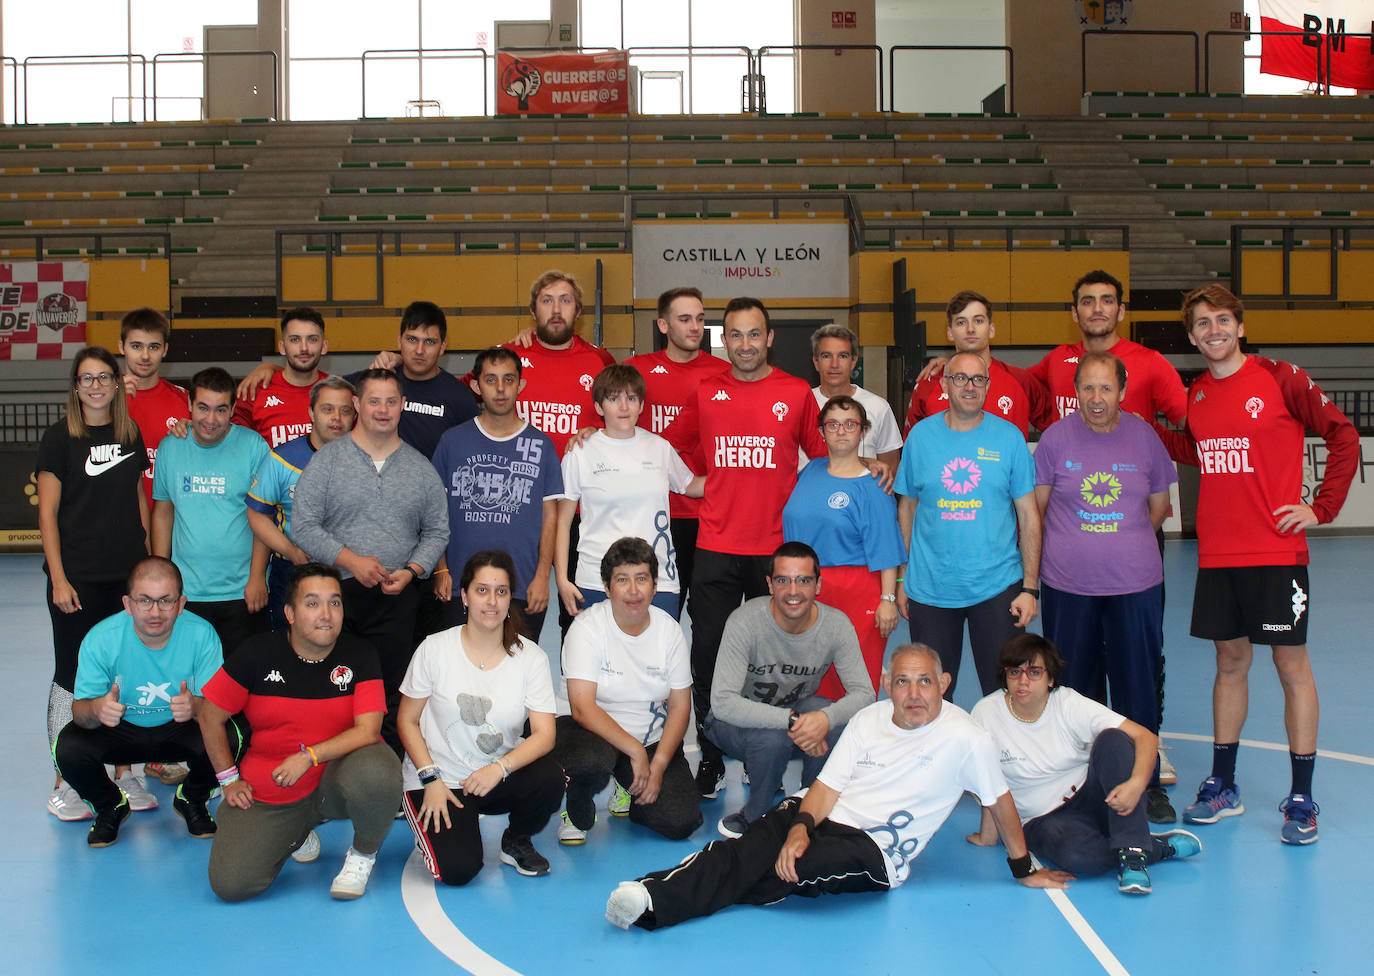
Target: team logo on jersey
[[525, 363], [342, 676], [272, 401], [1253, 406], [585, 381], [721, 395], [659, 369], [275, 676], [172, 422], [780, 410], [838, 500], [961, 476], [1100, 489], [1004, 405]]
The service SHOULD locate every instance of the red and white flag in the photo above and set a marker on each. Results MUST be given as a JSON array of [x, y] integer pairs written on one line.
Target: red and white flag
[[1325, 25]]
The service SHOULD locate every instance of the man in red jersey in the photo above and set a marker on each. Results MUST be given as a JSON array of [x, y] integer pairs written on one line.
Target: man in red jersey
[[1153, 387], [670, 376], [280, 409], [746, 426], [1013, 393], [154, 403], [1246, 420]]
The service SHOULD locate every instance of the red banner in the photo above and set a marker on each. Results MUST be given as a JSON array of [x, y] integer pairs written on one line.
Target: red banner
[[42, 309], [1324, 25], [544, 84]]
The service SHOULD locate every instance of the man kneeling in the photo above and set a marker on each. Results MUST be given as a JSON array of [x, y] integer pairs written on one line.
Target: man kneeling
[[891, 781], [314, 701], [149, 649], [1077, 771]]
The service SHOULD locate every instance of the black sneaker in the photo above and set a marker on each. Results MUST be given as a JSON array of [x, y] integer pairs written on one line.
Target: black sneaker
[[1157, 807], [709, 777], [105, 828], [520, 854], [199, 823]]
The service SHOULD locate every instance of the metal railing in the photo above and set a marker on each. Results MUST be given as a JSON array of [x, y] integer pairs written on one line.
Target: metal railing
[[892, 65], [420, 56], [23, 422], [1291, 237], [1070, 236], [772, 49], [90, 60], [204, 57], [1207, 49]]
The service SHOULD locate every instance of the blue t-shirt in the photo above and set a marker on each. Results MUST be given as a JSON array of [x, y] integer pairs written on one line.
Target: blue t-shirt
[[496, 490], [433, 406], [212, 543], [963, 543], [848, 521], [111, 654], [274, 486]]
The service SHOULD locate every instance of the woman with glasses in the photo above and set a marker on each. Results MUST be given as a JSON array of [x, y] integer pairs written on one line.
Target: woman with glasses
[[93, 519], [1102, 480], [839, 510]]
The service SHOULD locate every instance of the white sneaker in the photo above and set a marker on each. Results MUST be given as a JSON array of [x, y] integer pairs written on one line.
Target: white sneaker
[[351, 882], [309, 851], [1168, 775], [627, 903], [65, 803], [569, 833], [136, 789], [171, 774], [619, 803]]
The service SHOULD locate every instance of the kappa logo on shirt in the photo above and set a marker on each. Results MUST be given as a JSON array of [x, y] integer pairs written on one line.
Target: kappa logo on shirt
[[272, 401], [1070, 360], [275, 675], [525, 363], [1201, 395], [659, 369], [721, 395], [780, 410]]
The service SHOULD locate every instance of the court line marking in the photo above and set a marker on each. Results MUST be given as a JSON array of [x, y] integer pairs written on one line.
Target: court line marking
[[419, 893]]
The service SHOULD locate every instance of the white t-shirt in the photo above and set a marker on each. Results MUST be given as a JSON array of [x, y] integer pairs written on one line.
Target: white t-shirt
[[900, 785], [883, 432], [1045, 761], [623, 484], [473, 716], [633, 675]]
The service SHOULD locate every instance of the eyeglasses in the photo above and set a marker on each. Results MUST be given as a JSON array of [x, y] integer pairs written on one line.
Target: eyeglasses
[[785, 581], [95, 379], [963, 379], [1034, 671], [835, 426], [145, 603]]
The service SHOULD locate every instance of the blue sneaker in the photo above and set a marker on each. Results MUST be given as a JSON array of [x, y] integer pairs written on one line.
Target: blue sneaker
[[1180, 843], [1213, 803], [1299, 819], [1131, 876]]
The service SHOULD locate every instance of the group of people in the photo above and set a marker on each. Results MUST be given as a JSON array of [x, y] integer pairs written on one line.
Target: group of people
[[271, 609]]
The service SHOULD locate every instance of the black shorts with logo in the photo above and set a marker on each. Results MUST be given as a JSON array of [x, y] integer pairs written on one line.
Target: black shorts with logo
[[1268, 604]]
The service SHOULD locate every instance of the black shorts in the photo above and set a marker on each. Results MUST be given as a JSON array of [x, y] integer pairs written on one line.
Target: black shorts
[[1268, 604]]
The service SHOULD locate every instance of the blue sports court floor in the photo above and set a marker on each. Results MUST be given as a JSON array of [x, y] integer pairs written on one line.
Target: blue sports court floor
[[1247, 904]]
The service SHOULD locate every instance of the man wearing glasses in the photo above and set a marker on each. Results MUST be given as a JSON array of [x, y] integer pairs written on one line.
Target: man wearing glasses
[[968, 515], [138, 684], [773, 655]]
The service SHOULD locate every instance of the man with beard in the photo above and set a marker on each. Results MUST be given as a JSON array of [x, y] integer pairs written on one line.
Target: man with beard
[[279, 411]]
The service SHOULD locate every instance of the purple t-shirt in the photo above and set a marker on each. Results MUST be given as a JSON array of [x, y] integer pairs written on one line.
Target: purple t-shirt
[[1098, 536]]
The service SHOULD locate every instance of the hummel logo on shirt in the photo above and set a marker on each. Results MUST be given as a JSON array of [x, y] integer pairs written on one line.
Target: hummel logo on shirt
[[721, 395], [272, 401], [659, 369], [275, 675]]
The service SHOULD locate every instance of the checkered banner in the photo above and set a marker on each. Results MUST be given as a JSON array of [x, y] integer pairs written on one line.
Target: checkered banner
[[42, 309]]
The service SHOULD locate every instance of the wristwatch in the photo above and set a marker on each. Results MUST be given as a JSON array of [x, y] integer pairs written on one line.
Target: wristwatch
[[890, 597]]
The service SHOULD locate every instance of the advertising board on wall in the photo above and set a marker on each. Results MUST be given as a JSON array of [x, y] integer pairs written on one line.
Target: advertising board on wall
[[42, 309], [724, 259], [544, 84]]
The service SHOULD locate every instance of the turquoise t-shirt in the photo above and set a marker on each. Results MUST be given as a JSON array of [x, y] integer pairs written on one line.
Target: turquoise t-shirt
[[212, 543], [111, 653], [963, 543]]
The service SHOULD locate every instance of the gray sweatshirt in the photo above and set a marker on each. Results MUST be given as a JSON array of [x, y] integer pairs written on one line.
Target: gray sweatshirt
[[762, 671], [398, 515]]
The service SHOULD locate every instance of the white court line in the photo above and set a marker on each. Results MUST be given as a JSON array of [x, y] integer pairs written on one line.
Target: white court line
[[420, 894], [1273, 747]]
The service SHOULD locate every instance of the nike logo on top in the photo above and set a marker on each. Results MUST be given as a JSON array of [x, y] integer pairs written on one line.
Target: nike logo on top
[[721, 395], [103, 457]]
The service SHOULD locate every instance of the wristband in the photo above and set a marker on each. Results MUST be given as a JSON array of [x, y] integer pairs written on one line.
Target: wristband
[[314, 759], [806, 820], [429, 774], [227, 776], [1032, 590], [1020, 866], [505, 770], [439, 572]]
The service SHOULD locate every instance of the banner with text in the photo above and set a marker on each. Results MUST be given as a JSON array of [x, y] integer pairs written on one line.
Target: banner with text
[[42, 309], [543, 84], [1295, 55], [723, 259]]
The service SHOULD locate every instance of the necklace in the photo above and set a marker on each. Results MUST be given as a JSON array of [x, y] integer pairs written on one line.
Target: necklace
[[478, 657], [1028, 721]]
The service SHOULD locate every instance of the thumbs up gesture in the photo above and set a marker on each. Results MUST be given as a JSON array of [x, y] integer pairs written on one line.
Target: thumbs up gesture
[[182, 705], [111, 711]]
